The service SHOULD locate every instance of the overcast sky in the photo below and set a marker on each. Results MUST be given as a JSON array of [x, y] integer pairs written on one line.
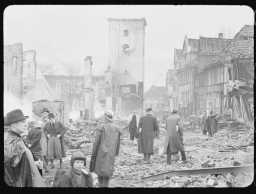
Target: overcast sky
[[64, 35]]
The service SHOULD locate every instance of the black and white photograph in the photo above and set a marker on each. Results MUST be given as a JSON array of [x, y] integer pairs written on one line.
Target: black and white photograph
[[128, 96]]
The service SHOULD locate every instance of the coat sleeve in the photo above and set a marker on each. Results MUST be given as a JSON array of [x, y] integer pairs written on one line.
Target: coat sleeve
[[95, 149], [61, 129], [25, 171]]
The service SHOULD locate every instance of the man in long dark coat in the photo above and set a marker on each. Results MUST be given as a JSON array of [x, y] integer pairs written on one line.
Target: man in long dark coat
[[174, 137], [55, 131], [105, 148], [148, 128]]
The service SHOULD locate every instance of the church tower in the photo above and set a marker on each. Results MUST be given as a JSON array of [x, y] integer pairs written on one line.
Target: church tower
[[126, 59]]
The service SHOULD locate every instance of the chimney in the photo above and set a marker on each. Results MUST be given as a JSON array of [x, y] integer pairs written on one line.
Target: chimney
[[220, 35]]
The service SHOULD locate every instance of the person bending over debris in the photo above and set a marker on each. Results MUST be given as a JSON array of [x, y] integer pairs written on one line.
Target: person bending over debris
[[77, 175], [148, 130], [34, 143], [174, 137], [133, 127], [54, 131], [20, 169], [105, 148]]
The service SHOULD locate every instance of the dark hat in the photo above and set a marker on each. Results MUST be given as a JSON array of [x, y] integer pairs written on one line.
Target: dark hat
[[14, 116], [148, 109], [78, 155], [51, 116]]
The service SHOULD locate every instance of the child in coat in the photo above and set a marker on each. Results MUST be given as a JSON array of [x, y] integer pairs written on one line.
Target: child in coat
[[77, 175]]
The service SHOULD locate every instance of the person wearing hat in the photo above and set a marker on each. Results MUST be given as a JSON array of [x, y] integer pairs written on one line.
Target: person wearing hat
[[148, 129], [34, 143], [105, 148], [76, 175], [19, 165], [54, 131]]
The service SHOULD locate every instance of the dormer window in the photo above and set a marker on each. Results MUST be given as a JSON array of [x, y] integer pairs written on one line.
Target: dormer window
[[126, 32]]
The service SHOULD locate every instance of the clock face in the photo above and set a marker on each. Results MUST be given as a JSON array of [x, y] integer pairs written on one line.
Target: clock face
[[127, 42]]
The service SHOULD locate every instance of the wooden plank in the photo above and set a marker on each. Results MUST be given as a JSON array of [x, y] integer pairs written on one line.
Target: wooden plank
[[202, 171]]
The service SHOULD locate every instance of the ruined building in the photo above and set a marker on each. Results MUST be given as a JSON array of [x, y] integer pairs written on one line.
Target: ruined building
[[29, 70], [13, 69], [204, 67], [126, 63]]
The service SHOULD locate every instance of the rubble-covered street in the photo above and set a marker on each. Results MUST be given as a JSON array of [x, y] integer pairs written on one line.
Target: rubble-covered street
[[229, 147]]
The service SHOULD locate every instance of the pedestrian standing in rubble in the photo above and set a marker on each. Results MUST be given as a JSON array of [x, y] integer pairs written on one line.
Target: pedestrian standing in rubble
[[203, 123], [133, 127], [20, 169], [105, 148], [34, 143], [174, 137], [54, 131], [148, 129], [212, 124], [76, 175]]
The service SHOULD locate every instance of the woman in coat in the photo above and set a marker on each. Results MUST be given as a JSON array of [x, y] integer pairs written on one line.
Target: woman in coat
[[105, 148], [54, 131]]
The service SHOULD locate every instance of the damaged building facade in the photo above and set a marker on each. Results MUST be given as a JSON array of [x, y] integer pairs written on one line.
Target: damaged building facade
[[126, 64], [70, 89], [203, 69], [13, 69]]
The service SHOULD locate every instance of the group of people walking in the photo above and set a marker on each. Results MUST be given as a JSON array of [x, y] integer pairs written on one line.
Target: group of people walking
[[148, 129], [27, 153]]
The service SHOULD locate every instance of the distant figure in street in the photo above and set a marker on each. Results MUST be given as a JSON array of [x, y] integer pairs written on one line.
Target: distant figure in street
[[34, 143], [148, 130], [76, 175], [133, 127], [211, 123], [203, 123], [55, 131], [105, 148], [174, 137], [20, 169], [44, 119]]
